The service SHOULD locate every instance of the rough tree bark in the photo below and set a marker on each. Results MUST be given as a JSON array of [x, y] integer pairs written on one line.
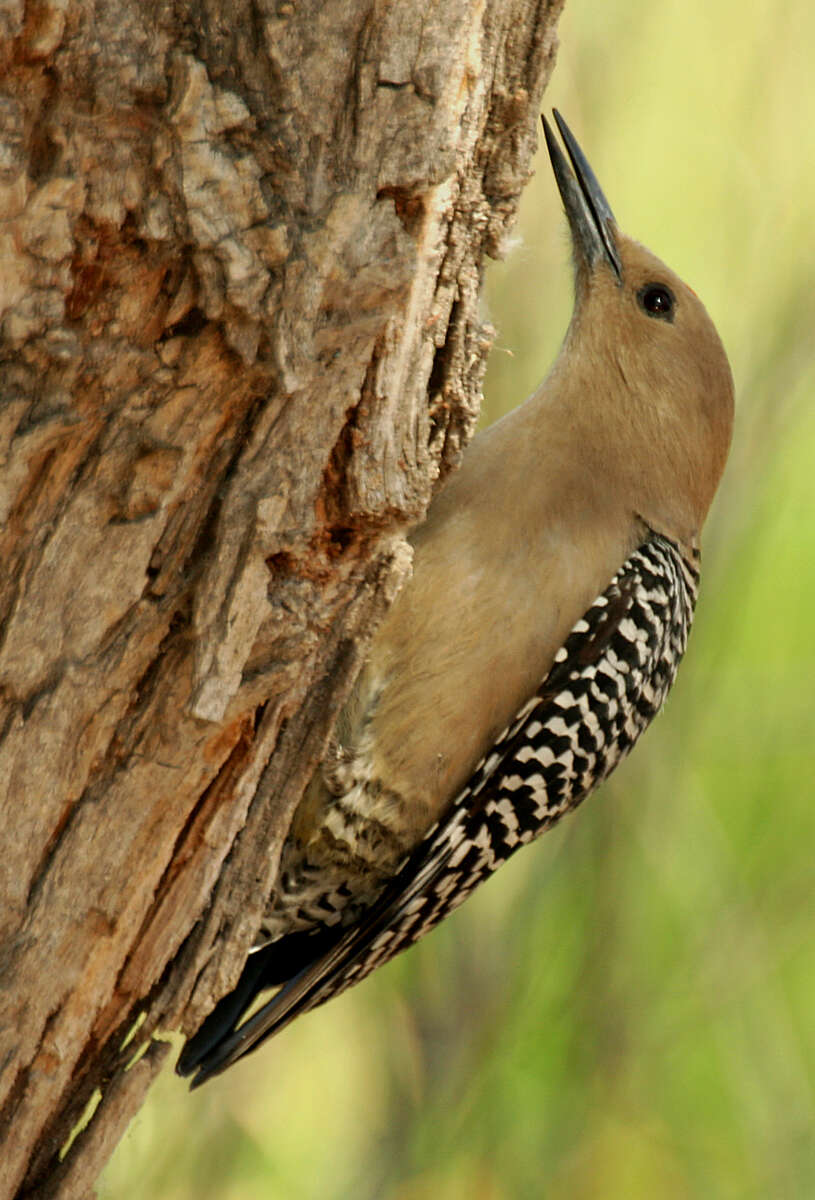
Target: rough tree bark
[[241, 247]]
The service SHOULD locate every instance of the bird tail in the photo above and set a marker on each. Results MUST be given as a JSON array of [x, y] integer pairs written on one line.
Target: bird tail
[[319, 965], [269, 966]]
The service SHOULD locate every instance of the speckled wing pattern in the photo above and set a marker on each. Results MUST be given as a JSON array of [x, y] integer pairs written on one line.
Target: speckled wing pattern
[[608, 681]]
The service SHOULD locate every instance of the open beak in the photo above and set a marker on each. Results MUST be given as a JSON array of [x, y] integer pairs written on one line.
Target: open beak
[[590, 217]]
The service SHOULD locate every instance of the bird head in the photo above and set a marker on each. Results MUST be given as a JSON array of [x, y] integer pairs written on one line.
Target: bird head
[[647, 376]]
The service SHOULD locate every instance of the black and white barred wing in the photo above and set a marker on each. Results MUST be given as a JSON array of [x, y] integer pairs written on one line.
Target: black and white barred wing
[[608, 681]]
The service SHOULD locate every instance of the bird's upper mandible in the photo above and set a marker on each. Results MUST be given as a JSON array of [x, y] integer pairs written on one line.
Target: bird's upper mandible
[[552, 593]]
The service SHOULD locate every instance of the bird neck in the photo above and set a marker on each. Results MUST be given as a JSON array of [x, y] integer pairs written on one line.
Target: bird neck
[[611, 451]]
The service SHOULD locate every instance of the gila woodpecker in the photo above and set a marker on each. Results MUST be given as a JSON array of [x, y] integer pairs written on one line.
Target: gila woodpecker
[[553, 588]]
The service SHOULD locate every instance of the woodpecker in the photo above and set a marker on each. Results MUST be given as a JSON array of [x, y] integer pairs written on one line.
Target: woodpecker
[[553, 588]]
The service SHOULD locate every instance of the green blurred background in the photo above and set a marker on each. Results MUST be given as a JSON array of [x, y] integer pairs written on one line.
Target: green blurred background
[[626, 1010]]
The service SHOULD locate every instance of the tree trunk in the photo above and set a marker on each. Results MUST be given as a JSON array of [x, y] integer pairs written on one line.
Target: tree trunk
[[241, 248]]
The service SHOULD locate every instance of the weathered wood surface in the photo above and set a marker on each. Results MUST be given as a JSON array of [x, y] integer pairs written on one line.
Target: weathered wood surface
[[241, 247]]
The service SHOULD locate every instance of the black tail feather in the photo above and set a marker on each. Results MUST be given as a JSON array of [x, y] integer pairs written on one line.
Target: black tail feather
[[265, 968]]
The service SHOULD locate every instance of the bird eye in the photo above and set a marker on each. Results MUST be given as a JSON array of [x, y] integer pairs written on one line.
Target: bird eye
[[657, 300]]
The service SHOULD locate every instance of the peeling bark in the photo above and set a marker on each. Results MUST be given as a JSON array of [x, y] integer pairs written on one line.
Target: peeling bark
[[241, 249]]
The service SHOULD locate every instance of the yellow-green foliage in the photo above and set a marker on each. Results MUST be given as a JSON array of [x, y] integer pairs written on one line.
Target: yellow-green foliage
[[626, 1010]]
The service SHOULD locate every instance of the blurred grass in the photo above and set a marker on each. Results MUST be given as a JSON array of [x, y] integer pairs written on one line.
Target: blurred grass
[[625, 1011]]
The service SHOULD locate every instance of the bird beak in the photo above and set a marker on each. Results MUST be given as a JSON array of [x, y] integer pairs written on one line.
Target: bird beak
[[590, 217]]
